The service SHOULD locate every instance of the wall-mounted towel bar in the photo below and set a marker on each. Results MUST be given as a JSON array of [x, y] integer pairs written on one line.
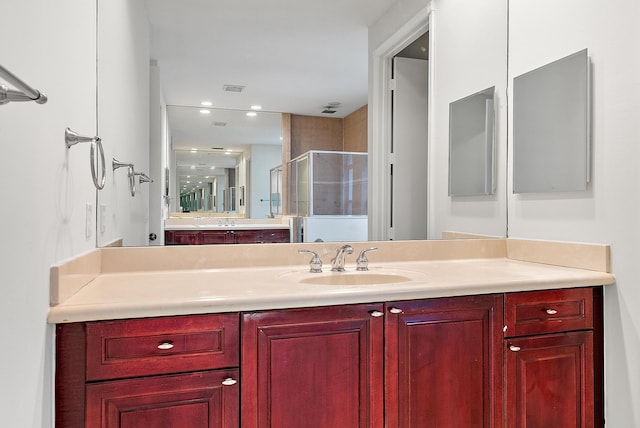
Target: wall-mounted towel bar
[[131, 174], [71, 138], [24, 92]]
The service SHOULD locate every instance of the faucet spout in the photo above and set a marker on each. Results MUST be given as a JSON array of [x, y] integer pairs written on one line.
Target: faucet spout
[[337, 263]]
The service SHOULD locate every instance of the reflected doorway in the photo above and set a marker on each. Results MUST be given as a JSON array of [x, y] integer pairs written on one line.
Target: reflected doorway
[[409, 138]]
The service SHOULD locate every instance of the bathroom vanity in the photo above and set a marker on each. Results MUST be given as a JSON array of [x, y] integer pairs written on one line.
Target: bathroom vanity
[[439, 333], [219, 230]]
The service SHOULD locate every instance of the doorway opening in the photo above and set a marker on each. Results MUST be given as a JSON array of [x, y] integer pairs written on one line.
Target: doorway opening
[[398, 181]]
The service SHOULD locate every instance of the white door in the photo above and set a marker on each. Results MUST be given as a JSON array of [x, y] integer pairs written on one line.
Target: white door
[[409, 150]]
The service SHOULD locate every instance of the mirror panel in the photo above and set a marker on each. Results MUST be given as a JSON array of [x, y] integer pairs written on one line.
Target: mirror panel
[[210, 146], [551, 127], [471, 145], [154, 201]]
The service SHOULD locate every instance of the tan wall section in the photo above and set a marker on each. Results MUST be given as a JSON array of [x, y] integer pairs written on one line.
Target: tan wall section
[[355, 131], [315, 133]]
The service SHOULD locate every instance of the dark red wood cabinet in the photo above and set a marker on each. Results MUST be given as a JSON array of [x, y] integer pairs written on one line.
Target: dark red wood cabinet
[[313, 368], [240, 236], [553, 358], [443, 365], [514, 360], [191, 400], [174, 372]]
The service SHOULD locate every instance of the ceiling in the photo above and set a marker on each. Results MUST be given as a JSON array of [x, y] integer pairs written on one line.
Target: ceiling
[[294, 56]]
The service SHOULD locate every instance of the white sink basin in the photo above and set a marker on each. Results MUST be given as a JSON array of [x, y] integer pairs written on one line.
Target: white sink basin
[[356, 278]]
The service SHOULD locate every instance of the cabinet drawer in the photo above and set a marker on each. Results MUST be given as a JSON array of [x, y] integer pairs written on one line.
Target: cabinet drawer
[[138, 347], [199, 399], [538, 312]]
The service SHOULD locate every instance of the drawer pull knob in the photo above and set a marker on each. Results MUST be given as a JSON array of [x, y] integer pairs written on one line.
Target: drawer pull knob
[[165, 345], [376, 313], [229, 381], [551, 311], [514, 348], [395, 310]]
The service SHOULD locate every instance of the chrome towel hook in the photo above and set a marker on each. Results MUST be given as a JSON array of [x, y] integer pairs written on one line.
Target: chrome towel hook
[[143, 178], [71, 138], [131, 174]]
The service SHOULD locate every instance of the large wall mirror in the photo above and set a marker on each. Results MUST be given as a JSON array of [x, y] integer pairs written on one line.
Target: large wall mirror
[[208, 64]]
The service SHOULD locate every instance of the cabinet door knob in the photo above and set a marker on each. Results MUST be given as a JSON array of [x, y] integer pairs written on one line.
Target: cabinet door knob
[[514, 348], [165, 345], [395, 310], [376, 313], [551, 311], [229, 381]]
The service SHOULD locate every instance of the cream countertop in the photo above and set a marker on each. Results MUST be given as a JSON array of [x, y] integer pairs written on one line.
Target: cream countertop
[[225, 223], [157, 281]]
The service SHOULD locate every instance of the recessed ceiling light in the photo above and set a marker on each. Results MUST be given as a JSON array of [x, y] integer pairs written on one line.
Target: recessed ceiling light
[[205, 111], [228, 152], [193, 167], [206, 103], [256, 107], [251, 113], [188, 182], [213, 167], [194, 150], [188, 176]]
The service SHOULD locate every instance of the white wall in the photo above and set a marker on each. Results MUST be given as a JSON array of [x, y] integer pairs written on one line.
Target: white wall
[[609, 212], [123, 118], [44, 188], [263, 158]]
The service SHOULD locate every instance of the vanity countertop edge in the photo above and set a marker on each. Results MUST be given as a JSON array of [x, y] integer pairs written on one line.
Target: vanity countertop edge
[[119, 283]]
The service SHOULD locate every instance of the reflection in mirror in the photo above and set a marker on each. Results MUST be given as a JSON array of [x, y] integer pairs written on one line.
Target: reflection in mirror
[[471, 145], [220, 157], [173, 54]]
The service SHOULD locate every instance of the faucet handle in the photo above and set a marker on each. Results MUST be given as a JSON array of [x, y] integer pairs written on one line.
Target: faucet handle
[[362, 263], [315, 264]]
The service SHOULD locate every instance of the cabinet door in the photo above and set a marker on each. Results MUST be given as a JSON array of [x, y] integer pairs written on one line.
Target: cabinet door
[[313, 368], [181, 237], [550, 381], [195, 400], [443, 363], [248, 237], [216, 237]]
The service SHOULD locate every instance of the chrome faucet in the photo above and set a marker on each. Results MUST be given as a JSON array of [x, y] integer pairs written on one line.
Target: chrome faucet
[[315, 264], [337, 263], [362, 263]]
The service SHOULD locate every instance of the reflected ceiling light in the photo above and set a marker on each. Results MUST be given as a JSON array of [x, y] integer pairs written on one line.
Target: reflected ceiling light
[[199, 182], [256, 107], [194, 150], [251, 113], [213, 167], [205, 111], [188, 182], [193, 167], [206, 103]]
